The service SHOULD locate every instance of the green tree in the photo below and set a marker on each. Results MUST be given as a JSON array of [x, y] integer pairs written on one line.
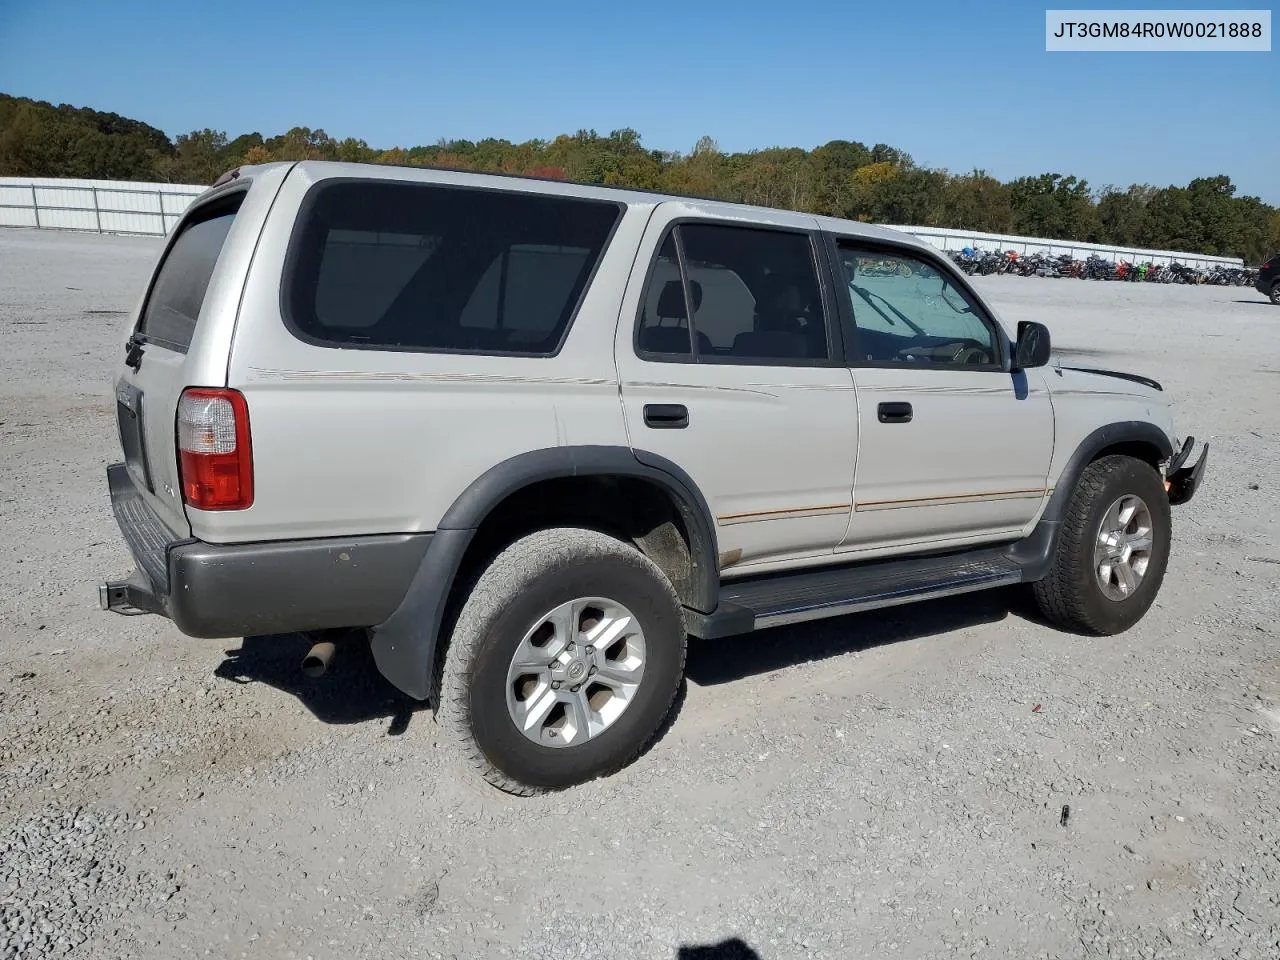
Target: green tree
[[1053, 205], [834, 164], [198, 157], [1122, 215], [302, 143], [978, 201], [1170, 224], [26, 149], [841, 177]]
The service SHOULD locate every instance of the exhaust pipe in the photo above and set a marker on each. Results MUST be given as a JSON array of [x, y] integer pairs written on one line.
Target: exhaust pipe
[[316, 662]]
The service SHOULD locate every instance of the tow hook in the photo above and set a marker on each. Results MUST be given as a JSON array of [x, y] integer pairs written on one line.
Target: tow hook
[[1181, 481]]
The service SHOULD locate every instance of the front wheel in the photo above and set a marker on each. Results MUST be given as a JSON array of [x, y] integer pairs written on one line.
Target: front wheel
[[1275, 293], [1112, 550], [565, 660]]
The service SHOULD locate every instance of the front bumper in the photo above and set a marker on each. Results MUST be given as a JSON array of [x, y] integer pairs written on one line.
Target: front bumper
[[1181, 480], [252, 589]]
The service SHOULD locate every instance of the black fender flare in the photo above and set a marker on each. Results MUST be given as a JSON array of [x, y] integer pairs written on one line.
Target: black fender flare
[[1035, 552], [1125, 431], [404, 646]]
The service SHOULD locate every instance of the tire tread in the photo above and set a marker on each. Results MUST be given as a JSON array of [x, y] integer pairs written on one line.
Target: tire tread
[[512, 571], [1061, 595]]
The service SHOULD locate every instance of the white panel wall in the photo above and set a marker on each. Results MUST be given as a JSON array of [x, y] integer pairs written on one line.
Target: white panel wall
[[946, 239], [113, 206], [103, 206]]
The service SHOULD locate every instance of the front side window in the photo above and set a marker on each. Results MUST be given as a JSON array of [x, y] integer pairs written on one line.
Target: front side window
[[753, 295], [407, 266], [907, 311]]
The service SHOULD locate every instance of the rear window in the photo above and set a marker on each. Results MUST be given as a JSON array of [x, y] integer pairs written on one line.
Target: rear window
[[403, 266], [173, 307]]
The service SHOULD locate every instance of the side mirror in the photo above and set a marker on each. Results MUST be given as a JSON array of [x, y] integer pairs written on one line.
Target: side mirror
[[1032, 348]]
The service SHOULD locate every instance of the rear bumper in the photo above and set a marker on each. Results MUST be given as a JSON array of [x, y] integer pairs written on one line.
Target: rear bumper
[[250, 589]]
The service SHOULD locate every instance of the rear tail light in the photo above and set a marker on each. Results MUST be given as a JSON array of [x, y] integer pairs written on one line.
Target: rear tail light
[[215, 459]]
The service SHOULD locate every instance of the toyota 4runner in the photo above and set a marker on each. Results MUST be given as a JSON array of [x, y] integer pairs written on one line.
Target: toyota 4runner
[[526, 436]]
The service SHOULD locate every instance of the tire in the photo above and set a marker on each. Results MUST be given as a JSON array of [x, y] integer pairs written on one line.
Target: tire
[[1072, 595], [1275, 293], [507, 611]]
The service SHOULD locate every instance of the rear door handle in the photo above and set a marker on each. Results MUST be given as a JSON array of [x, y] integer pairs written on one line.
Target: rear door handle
[[666, 416], [894, 412]]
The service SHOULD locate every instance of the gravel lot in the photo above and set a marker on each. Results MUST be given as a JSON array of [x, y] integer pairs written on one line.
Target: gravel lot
[[869, 787]]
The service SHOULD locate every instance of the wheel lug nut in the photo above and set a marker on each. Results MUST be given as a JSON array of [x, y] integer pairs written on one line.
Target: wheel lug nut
[[555, 684]]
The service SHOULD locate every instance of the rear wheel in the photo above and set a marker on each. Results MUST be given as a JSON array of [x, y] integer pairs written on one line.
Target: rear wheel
[[565, 661], [1275, 293], [1112, 550]]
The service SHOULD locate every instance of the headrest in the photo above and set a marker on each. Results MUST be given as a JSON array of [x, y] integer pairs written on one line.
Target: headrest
[[671, 300]]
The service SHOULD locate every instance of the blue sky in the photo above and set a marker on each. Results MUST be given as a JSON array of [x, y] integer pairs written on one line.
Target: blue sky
[[956, 85]]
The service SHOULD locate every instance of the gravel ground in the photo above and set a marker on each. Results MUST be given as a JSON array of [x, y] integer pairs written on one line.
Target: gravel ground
[[874, 786]]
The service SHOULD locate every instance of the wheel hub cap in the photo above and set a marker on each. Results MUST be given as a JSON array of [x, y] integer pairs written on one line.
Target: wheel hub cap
[[575, 672], [1122, 549]]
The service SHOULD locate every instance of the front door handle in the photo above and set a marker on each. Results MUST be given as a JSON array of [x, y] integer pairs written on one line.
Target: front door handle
[[894, 412], [666, 416]]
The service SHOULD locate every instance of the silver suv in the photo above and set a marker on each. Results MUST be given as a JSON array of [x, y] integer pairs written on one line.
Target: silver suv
[[526, 436]]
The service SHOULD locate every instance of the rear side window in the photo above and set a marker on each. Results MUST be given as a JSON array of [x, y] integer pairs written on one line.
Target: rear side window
[[173, 307], [405, 266]]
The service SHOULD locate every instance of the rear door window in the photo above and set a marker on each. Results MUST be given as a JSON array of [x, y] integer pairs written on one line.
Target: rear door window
[[404, 266], [173, 306], [753, 293]]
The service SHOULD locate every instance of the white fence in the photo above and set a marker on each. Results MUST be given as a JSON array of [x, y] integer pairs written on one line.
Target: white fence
[[113, 206], [945, 239], [104, 206]]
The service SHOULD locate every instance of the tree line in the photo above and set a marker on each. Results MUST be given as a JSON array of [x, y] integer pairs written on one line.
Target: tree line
[[842, 178]]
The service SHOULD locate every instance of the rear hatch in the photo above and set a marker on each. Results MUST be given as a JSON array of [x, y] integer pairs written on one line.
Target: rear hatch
[[182, 334]]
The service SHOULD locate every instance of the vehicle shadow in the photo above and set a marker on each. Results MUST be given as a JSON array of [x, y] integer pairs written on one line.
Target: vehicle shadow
[[732, 949], [712, 662], [1263, 303], [352, 690]]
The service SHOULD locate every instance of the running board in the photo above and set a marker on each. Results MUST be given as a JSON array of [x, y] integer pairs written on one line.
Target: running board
[[774, 601]]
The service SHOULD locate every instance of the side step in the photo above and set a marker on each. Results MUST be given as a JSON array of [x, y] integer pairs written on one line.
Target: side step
[[780, 599]]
